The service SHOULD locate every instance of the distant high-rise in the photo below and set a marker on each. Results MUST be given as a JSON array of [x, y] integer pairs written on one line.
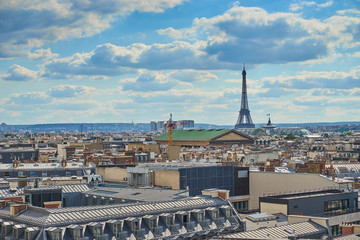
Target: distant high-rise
[[244, 119], [153, 126]]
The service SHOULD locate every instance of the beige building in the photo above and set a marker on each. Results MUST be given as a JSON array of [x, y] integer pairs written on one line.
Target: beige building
[[269, 183], [112, 174]]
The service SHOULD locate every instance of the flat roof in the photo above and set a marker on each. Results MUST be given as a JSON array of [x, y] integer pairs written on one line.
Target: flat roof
[[306, 194], [139, 194]]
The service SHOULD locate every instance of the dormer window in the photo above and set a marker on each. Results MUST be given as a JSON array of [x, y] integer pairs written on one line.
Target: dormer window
[[135, 226]]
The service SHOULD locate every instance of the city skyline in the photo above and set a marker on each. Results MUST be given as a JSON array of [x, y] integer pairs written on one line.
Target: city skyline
[[124, 61]]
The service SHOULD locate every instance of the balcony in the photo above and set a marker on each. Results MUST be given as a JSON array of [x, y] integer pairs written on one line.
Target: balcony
[[140, 234], [219, 221], [232, 220], [174, 228], [205, 224], [158, 231], [190, 226], [121, 235], [102, 237]]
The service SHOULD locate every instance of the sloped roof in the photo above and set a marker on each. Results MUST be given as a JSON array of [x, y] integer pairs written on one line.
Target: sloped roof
[[42, 217], [194, 134], [301, 229]]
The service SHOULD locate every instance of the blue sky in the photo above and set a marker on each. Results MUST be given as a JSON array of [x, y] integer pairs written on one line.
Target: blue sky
[[94, 61]]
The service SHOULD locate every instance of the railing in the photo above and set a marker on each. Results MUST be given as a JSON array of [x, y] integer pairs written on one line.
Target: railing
[[82, 238], [121, 235], [139, 233], [174, 228], [232, 220], [220, 221], [190, 226], [158, 231], [102, 237], [205, 223]]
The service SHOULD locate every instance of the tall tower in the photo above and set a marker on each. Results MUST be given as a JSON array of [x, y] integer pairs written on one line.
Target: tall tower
[[244, 119]]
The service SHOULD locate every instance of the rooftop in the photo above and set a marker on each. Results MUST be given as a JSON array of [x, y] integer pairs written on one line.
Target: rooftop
[[301, 229], [306, 194], [42, 217], [139, 194], [193, 134]]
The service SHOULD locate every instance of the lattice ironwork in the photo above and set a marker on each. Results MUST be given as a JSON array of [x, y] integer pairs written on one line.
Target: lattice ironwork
[[244, 119]]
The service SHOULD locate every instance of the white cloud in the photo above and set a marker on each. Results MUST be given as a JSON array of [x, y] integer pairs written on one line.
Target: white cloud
[[71, 91], [25, 25], [309, 80], [42, 54], [193, 76], [29, 98], [19, 73], [294, 7]]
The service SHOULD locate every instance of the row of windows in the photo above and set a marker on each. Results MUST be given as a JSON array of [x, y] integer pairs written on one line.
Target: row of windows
[[43, 173]]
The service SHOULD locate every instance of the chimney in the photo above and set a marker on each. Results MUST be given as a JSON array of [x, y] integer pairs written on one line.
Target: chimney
[[15, 163], [15, 209], [63, 163]]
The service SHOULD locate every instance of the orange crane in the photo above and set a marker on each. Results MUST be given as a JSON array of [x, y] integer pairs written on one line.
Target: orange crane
[[170, 125]]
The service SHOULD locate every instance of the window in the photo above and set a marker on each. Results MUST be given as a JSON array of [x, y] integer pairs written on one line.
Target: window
[[336, 230], [56, 235], [15, 233], [116, 228], [336, 205], [134, 226], [241, 206], [200, 216], [169, 221], [44, 173], [20, 173], [78, 172], [152, 224], [56, 173], [185, 218], [7, 174], [68, 173], [0, 156], [27, 235], [77, 233], [215, 214], [32, 173], [97, 231], [242, 174]]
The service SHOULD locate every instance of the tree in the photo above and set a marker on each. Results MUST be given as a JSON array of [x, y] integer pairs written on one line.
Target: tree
[[290, 136]]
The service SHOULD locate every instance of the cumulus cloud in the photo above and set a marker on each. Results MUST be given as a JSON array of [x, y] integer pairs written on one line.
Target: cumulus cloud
[[70, 91], [148, 82], [193, 76], [19, 73], [42, 54], [250, 35], [187, 33], [309, 80], [29, 98], [25, 25], [256, 36], [294, 7]]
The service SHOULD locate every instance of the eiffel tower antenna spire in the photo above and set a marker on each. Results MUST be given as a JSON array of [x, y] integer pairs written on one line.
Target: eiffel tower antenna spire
[[244, 119]]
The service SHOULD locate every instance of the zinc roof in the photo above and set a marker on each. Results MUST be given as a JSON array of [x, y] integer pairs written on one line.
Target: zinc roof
[[42, 217], [193, 134], [281, 232]]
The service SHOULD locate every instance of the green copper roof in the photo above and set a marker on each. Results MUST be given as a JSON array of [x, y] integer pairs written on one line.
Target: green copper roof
[[193, 134]]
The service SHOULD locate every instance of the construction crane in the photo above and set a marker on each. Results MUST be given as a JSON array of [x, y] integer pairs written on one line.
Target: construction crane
[[170, 125]]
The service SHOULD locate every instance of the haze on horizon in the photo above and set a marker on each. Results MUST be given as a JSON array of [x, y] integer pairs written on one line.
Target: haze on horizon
[[77, 61]]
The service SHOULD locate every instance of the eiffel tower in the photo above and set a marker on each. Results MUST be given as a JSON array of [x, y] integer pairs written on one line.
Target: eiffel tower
[[244, 119]]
